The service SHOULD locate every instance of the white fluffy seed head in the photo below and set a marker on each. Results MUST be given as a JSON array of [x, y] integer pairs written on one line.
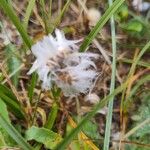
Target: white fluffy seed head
[[58, 61]]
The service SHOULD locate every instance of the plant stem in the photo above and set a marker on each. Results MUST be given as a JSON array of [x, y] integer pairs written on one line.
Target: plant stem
[[112, 86]]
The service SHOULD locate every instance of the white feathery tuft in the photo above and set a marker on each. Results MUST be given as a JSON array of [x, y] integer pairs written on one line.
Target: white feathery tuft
[[59, 62]]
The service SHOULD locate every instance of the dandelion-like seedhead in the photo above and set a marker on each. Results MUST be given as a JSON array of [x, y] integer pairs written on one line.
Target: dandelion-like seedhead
[[59, 62]]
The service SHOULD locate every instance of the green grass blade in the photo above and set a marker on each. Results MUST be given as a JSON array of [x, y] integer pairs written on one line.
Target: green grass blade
[[13, 17], [7, 96], [140, 82], [32, 85], [111, 10], [14, 133], [52, 117], [96, 108], [133, 67], [28, 12], [45, 16], [129, 61], [144, 49], [59, 18], [12, 105], [132, 71], [50, 8], [112, 85], [13, 62], [7, 91]]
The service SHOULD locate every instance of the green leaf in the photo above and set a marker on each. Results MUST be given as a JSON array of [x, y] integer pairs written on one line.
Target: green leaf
[[42, 135], [7, 96], [4, 111], [52, 116], [13, 62], [144, 113], [75, 144], [133, 26], [91, 130], [2, 141], [5, 139], [111, 10], [122, 13], [32, 85], [29, 10], [59, 18], [14, 133], [14, 18]]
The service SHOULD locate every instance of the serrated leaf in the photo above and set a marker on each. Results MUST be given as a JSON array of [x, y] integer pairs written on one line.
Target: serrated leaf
[[42, 135]]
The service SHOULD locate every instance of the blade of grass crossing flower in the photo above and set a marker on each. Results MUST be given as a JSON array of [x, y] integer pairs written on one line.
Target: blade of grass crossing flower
[[29, 10], [13, 17], [95, 109], [112, 85], [14, 134], [111, 10]]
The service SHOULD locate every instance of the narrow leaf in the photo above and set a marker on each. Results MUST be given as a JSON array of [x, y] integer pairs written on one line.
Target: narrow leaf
[[28, 12], [7, 96], [111, 10], [32, 85], [14, 133], [13, 62], [13, 17]]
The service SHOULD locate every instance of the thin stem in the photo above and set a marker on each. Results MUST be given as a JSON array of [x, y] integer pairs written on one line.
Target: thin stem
[[112, 86], [35, 111]]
